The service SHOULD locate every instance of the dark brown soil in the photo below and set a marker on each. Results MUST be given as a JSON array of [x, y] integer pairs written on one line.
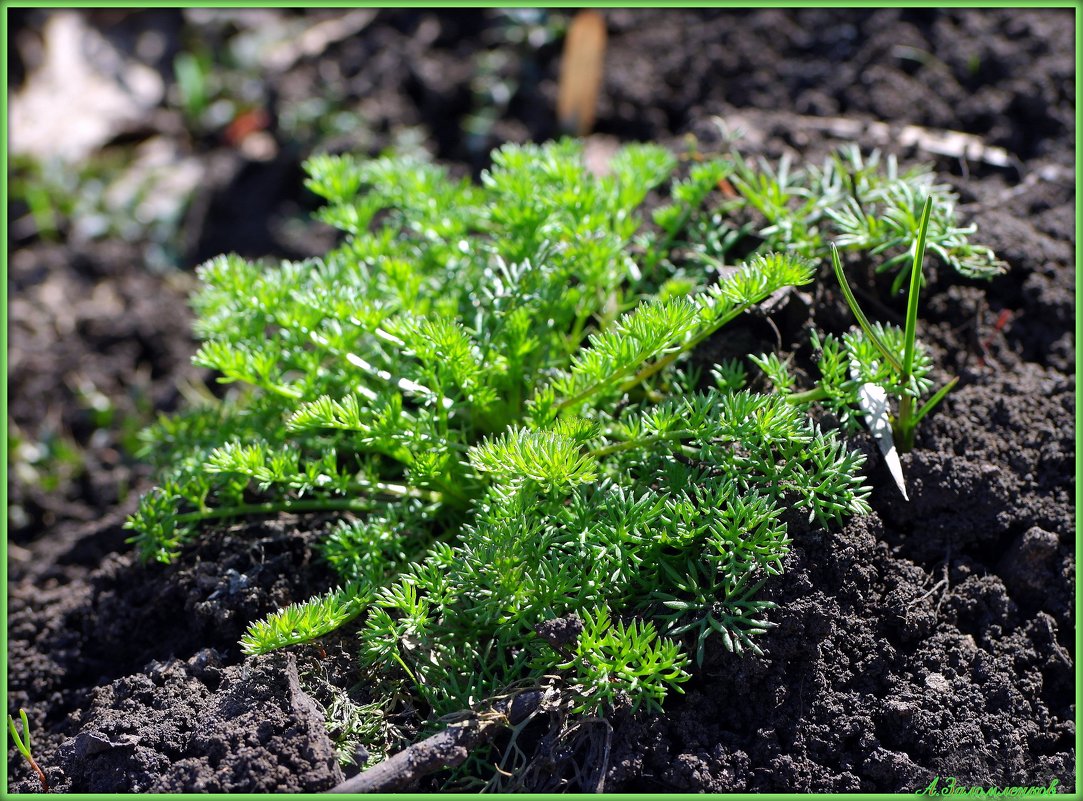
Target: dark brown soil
[[931, 638]]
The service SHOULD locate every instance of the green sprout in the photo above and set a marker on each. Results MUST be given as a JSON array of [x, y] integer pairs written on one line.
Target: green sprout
[[193, 88], [882, 355], [23, 744], [905, 424]]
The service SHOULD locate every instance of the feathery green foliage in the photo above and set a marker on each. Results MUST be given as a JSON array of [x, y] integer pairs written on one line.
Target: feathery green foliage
[[860, 204], [488, 382]]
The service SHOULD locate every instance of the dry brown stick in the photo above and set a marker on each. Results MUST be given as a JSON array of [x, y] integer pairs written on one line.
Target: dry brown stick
[[581, 73], [938, 142], [444, 749]]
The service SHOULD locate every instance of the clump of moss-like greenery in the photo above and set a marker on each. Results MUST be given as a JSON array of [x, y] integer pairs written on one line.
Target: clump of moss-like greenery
[[489, 383]]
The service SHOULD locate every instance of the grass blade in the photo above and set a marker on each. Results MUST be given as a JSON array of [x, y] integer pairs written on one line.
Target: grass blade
[[910, 332], [935, 399], [851, 301]]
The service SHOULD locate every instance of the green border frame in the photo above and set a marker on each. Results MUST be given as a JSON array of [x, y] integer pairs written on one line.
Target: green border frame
[[4, 52]]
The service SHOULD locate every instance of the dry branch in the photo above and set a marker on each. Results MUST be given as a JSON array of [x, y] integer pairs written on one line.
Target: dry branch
[[444, 749]]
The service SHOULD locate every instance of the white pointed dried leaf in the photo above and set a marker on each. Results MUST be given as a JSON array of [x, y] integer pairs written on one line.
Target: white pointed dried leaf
[[873, 401]]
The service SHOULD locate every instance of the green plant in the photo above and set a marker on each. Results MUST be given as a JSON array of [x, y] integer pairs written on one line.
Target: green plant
[[495, 391], [860, 205], [192, 71], [886, 356], [23, 745], [49, 463], [491, 383]]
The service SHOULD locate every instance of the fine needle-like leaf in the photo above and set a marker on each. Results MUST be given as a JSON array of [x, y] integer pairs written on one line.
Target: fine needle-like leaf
[[862, 320], [935, 399], [910, 329], [907, 423]]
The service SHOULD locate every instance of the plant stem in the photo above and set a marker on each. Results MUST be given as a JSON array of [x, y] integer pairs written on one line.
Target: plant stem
[[862, 320], [906, 423], [395, 491], [817, 393], [652, 368], [402, 663], [904, 426], [274, 507], [41, 774], [684, 347], [910, 331], [627, 444]]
